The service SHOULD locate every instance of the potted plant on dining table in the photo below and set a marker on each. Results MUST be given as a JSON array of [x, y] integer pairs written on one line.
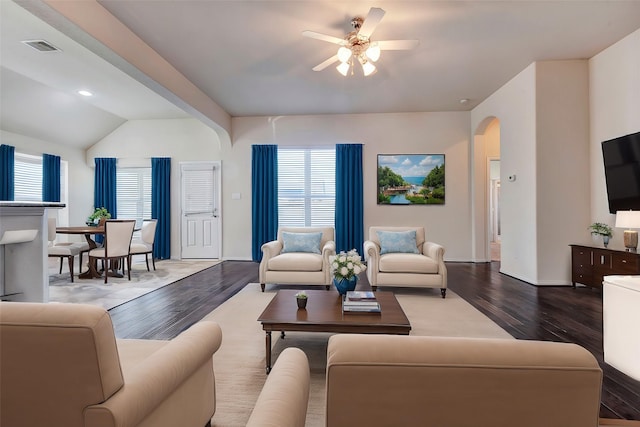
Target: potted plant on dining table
[[99, 215]]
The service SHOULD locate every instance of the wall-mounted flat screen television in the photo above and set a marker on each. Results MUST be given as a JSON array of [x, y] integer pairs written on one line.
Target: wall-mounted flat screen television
[[622, 172]]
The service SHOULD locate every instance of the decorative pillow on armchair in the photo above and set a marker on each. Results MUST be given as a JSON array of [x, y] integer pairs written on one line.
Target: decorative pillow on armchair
[[301, 242], [398, 241]]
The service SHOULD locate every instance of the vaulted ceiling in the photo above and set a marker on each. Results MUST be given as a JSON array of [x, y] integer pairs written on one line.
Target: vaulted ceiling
[[249, 57]]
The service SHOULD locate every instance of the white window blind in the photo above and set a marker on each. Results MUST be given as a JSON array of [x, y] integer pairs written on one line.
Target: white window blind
[[27, 178], [133, 189], [199, 188], [306, 187]]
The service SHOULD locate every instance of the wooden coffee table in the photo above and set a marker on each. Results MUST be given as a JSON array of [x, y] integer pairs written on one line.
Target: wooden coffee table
[[324, 314]]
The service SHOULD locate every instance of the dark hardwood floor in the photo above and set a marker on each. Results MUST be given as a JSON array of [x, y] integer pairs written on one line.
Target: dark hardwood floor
[[562, 314]]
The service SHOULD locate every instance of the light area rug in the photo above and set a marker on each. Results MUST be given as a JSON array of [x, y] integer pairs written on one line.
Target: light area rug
[[117, 291], [239, 364]]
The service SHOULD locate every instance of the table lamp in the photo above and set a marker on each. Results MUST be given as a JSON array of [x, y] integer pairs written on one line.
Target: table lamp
[[628, 220]]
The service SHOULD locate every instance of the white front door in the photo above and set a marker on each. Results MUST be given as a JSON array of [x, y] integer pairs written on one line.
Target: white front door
[[200, 216]]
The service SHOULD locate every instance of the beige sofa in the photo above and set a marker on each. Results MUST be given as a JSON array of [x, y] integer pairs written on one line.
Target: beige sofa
[[377, 380], [61, 365], [285, 395], [297, 267], [385, 380], [425, 268]]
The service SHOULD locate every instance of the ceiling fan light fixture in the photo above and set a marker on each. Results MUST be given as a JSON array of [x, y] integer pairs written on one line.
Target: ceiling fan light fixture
[[344, 54], [368, 68], [343, 68], [373, 52]]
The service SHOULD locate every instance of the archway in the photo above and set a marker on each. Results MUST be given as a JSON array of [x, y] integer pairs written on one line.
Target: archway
[[486, 190]]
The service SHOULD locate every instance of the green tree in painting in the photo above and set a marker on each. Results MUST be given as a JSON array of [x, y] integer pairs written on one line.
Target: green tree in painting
[[388, 178], [435, 178], [438, 193]]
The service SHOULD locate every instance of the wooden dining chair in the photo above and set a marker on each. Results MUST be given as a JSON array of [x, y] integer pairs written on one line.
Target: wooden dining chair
[[144, 245], [117, 239]]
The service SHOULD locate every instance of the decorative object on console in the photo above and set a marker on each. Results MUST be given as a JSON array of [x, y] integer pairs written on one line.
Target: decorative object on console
[[601, 229], [411, 179], [345, 268], [628, 220], [301, 299]]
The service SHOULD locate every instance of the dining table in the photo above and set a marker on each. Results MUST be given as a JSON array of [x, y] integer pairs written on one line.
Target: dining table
[[89, 231]]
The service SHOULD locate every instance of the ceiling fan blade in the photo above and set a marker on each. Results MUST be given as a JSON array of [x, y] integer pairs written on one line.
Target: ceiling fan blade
[[371, 22], [398, 44], [326, 63], [324, 37]]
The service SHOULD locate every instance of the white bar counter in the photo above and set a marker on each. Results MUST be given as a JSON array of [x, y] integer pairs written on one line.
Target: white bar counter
[[24, 272]]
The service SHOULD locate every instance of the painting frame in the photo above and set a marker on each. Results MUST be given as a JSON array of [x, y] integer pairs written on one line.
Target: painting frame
[[410, 179]]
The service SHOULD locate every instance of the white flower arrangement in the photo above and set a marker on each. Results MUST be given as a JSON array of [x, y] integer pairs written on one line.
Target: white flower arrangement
[[346, 265]]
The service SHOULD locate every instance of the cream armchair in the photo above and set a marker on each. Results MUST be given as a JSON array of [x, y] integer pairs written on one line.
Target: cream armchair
[[61, 365], [423, 268], [283, 262]]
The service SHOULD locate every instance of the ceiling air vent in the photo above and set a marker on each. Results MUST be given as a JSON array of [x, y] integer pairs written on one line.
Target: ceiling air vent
[[41, 45]]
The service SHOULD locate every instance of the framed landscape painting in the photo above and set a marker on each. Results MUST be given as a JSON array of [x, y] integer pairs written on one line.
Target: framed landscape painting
[[411, 179]]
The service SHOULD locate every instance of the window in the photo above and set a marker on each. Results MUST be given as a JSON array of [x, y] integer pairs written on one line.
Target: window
[[134, 193], [306, 187], [28, 183], [28, 178]]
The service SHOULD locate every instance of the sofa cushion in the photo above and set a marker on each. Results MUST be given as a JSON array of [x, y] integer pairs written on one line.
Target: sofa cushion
[[301, 242], [407, 263], [398, 242], [296, 261]]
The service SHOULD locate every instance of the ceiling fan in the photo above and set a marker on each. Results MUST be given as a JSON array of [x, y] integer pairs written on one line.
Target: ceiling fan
[[358, 46]]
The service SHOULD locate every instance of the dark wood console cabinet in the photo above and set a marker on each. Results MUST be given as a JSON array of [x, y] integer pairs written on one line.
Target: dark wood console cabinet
[[589, 265]]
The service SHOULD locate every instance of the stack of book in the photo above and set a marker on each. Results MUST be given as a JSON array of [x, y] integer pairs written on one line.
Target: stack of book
[[360, 302]]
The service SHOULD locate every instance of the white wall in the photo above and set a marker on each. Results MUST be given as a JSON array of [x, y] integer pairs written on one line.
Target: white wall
[[562, 151], [543, 142], [514, 105], [415, 133], [180, 139], [614, 85]]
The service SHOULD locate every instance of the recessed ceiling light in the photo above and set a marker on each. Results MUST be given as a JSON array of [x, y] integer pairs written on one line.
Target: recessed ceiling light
[[85, 93], [464, 101]]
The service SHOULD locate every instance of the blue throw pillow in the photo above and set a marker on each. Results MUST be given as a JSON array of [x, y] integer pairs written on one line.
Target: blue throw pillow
[[301, 242], [398, 241]]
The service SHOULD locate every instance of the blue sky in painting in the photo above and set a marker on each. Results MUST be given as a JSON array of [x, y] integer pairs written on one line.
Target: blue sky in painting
[[411, 164]]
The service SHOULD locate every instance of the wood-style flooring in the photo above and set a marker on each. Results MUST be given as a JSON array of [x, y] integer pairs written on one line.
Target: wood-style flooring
[[561, 314]]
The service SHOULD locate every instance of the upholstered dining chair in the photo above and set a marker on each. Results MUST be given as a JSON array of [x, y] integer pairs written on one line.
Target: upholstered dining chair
[[117, 239], [144, 245], [63, 249]]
